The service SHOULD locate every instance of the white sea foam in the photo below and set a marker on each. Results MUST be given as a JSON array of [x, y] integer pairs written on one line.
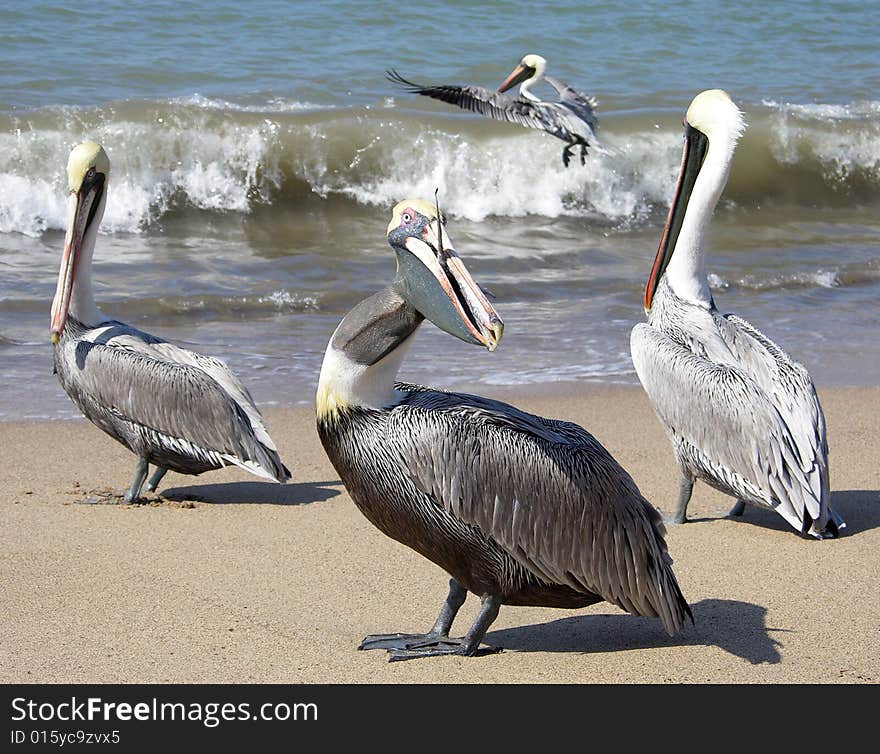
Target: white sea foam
[[820, 111], [271, 105], [512, 176], [852, 144], [814, 279], [153, 166], [220, 157]]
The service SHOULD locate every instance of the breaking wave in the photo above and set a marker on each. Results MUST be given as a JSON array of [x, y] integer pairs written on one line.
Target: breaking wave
[[201, 154]]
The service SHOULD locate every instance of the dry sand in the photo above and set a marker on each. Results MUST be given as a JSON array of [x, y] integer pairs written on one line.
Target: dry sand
[[260, 582]]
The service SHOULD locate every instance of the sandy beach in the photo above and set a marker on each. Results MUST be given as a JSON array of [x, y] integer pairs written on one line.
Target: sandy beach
[[230, 579]]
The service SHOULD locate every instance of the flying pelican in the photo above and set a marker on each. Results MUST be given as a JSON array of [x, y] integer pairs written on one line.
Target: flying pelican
[[174, 408], [572, 119], [518, 509], [740, 413]]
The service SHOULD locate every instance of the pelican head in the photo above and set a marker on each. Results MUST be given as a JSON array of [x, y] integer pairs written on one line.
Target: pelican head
[[529, 71], [712, 127], [433, 278], [87, 171]]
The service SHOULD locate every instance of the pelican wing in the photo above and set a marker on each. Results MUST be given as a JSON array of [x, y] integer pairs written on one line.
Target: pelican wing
[[725, 422], [582, 105], [191, 402], [545, 491], [485, 102], [785, 380]]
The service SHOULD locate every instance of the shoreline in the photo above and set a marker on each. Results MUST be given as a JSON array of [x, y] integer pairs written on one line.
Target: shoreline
[[232, 579]]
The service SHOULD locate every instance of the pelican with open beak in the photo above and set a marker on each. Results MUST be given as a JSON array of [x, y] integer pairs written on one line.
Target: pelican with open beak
[[517, 509], [171, 407], [741, 414]]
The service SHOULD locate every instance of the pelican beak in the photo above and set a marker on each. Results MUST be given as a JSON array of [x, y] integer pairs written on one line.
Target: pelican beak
[[518, 75], [696, 143], [80, 211], [436, 281]]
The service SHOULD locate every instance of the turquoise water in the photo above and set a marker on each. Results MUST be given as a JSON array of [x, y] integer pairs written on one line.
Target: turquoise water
[[257, 149]]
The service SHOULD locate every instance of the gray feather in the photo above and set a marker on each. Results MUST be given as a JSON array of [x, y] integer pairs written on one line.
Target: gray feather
[[180, 410], [741, 414]]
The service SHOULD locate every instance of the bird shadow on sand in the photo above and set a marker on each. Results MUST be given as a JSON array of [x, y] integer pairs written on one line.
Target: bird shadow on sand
[[255, 493], [860, 509], [736, 627]]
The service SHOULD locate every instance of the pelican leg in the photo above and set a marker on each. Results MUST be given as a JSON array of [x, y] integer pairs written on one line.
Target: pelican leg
[[584, 153], [440, 630], [566, 155], [155, 479], [140, 473], [454, 600], [685, 489], [737, 509], [468, 645]]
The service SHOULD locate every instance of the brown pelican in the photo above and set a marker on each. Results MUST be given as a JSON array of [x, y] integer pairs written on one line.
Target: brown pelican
[[572, 119], [518, 509], [174, 408], [741, 414]]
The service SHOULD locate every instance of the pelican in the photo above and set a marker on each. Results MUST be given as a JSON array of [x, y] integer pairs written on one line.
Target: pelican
[[571, 119], [517, 509], [741, 414], [171, 407]]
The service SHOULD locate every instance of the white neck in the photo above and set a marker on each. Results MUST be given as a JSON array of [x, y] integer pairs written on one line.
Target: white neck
[[344, 382], [82, 299], [526, 86], [686, 272]]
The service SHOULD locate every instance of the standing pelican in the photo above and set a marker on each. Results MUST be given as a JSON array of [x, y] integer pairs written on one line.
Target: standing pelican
[[741, 414], [518, 509], [174, 408], [571, 119]]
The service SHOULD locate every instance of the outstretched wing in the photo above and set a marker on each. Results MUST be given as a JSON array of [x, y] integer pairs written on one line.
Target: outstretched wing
[[582, 105], [727, 424], [547, 492], [190, 401], [495, 105]]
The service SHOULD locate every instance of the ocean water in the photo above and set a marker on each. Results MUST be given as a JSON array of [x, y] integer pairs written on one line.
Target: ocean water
[[257, 150]]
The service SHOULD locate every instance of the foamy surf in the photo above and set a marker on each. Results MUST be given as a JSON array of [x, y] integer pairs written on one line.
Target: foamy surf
[[211, 155]]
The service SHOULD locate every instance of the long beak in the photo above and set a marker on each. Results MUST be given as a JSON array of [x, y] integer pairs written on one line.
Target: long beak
[[453, 301], [518, 75], [78, 214], [696, 144]]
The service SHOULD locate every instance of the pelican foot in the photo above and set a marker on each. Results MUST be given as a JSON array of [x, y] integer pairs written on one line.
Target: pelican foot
[[584, 154], [737, 509], [439, 649], [412, 646], [396, 641]]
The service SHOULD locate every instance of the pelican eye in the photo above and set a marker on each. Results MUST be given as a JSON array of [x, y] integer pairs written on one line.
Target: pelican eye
[[406, 218], [91, 173]]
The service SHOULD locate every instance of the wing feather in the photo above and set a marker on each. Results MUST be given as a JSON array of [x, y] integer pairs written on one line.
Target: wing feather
[[486, 102], [179, 394], [547, 492], [745, 414]]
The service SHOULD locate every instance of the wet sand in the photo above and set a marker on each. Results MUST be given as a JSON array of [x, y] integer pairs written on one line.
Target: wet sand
[[231, 579]]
